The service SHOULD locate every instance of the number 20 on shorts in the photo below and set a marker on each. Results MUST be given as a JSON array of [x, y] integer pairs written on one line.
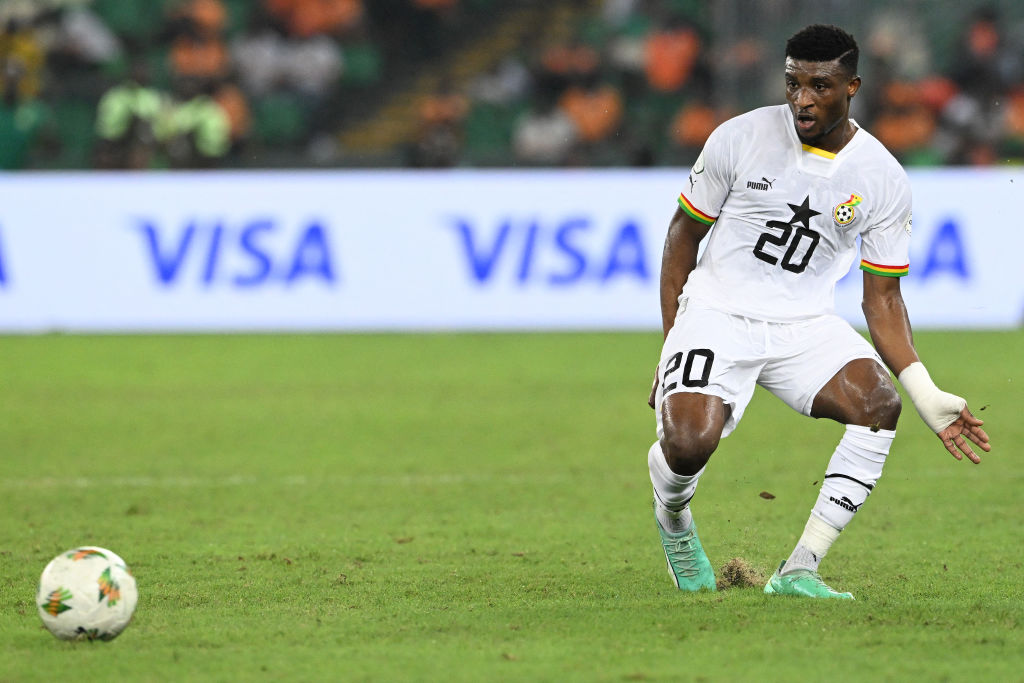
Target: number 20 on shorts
[[702, 358]]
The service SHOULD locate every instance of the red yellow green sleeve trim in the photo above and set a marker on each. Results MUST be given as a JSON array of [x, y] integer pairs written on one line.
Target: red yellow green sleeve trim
[[887, 271], [695, 213]]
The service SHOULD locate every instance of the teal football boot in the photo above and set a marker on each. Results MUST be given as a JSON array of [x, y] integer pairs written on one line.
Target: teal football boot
[[687, 563], [802, 582]]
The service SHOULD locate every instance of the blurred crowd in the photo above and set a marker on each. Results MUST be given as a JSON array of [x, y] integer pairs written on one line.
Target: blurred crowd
[[182, 83], [645, 83], [111, 84]]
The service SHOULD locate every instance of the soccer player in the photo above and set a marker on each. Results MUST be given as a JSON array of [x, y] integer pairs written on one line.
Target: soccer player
[[789, 189]]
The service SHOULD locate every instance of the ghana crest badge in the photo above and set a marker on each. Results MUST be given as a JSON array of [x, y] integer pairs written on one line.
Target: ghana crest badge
[[844, 213]]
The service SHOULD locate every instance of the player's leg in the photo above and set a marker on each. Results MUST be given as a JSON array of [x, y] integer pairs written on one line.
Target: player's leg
[[700, 398], [861, 396], [692, 426], [861, 393]]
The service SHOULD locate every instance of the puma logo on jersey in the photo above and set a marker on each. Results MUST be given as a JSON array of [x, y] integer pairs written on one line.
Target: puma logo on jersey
[[764, 184]]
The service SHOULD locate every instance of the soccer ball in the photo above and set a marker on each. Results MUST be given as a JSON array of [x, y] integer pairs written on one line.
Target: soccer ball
[[86, 593]]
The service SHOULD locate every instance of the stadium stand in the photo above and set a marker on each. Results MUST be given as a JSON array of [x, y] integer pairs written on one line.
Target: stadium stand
[[479, 83]]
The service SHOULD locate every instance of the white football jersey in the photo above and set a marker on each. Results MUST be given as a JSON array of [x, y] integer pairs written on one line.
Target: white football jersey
[[786, 217]]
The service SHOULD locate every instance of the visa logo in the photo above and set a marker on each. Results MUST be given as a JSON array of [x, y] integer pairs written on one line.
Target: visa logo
[[947, 253], [560, 254], [256, 253]]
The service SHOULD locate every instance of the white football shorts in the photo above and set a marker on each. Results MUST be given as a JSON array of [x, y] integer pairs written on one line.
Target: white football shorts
[[725, 355]]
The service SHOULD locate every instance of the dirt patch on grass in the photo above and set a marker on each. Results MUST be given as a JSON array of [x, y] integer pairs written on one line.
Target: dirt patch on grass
[[738, 573]]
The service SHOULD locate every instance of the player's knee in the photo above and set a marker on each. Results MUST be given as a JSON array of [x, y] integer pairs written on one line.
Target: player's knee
[[891, 406], [687, 452], [884, 407]]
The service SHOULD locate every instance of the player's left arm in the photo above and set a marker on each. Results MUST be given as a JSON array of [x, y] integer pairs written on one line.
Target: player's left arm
[[889, 325]]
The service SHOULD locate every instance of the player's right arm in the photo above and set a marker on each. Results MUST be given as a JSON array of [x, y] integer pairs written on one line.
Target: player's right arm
[[709, 182], [677, 262], [708, 186]]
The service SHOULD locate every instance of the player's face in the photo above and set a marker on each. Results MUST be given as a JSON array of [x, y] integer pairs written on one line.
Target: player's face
[[819, 96]]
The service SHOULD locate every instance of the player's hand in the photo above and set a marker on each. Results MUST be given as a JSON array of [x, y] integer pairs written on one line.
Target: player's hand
[[966, 425], [654, 389]]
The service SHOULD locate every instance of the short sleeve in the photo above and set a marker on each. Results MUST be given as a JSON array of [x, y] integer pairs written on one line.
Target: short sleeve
[[710, 179], [885, 245]]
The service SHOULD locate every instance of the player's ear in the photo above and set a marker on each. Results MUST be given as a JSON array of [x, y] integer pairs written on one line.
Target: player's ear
[[853, 86]]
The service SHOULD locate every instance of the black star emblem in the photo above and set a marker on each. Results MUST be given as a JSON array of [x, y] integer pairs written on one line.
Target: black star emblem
[[803, 213]]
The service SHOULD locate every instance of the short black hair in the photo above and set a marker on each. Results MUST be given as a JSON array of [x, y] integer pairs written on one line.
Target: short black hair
[[823, 43]]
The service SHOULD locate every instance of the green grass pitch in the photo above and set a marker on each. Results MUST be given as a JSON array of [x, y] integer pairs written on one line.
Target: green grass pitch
[[477, 508]]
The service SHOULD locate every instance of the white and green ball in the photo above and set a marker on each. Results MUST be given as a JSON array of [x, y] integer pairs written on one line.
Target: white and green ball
[[86, 593]]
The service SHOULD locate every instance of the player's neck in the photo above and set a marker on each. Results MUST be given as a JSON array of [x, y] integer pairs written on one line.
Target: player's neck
[[837, 138]]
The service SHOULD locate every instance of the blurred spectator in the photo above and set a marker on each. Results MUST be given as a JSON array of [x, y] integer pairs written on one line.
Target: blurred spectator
[[308, 18], [78, 44], [21, 59], [258, 54], [22, 115], [1015, 123], [935, 92], [691, 127], [267, 61], [198, 50], [670, 57], [561, 65], [207, 16], [986, 65], [230, 98], [545, 135], [196, 128], [505, 82], [595, 108], [896, 47], [201, 56], [616, 13], [985, 69], [293, 81], [128, 123], [904, 122], [439, 139], [311, 67]]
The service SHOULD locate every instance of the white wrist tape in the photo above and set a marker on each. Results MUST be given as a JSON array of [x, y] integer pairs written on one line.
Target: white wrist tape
[[936, 407]]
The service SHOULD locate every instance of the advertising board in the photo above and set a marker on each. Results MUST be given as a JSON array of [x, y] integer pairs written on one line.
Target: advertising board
[[414, 250]]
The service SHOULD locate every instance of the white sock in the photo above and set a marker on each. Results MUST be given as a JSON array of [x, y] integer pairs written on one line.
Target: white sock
[[813, 545], [851, 474], [672, 492]]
